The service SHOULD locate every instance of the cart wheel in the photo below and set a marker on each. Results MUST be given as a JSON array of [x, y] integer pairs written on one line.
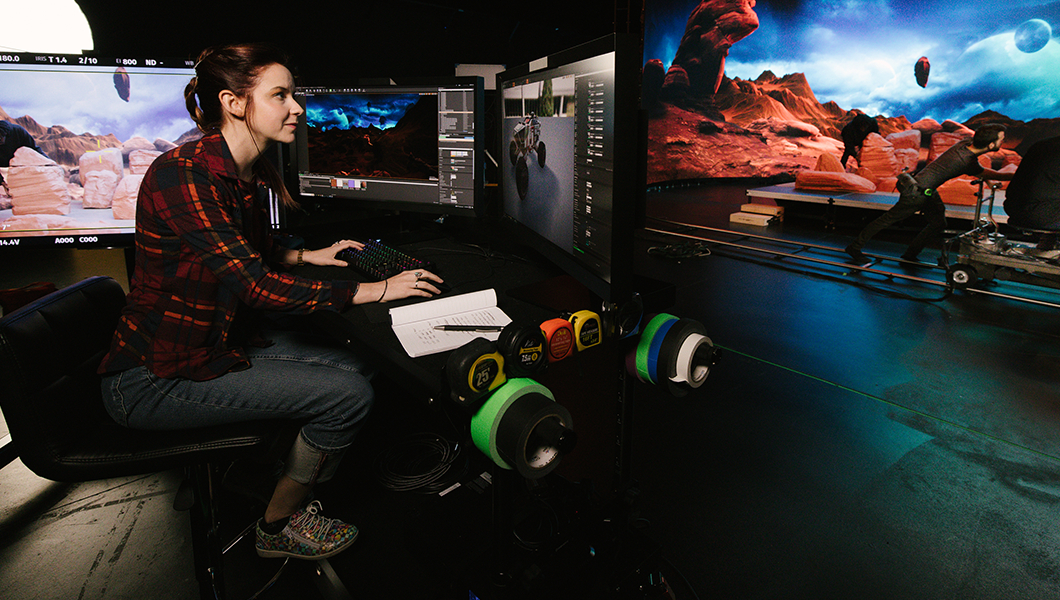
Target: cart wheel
[[961, 276], [541, 154], [522, 178], [513, 151]]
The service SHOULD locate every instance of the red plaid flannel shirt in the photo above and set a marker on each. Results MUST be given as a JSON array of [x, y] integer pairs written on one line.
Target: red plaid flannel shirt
[[202, 239]]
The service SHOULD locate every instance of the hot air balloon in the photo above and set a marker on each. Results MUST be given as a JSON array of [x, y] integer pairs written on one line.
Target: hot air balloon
[[121, 83], [923, 67]]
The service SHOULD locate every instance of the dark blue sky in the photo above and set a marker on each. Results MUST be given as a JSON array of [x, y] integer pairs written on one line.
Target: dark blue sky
[[861, 53], [357, 110]]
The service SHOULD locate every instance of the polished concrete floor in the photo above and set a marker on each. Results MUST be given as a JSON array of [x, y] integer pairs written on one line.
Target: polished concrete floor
[[862, 436]]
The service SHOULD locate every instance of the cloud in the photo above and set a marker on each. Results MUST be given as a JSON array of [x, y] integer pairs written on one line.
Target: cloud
[[993, 74], [358, 110], [875, 74], [861, 53], [84, 101]]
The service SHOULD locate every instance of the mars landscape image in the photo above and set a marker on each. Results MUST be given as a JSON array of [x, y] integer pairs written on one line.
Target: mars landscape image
[[373, 135], [745, 89]]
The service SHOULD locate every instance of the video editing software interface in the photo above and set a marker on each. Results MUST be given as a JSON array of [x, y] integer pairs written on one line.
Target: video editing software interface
[[411, 147], [99, 121], [558, 133]]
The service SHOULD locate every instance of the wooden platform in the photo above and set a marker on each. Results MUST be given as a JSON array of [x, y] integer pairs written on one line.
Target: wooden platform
[[876, 201]]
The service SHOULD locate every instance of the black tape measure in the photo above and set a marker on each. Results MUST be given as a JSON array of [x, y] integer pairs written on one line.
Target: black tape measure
[[473, 371], [523, 349]]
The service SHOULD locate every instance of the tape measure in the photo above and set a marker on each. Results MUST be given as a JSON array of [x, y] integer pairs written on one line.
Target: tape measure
[[473, 371], [588, 331], [523, 348], [559, 338], [521, 427]]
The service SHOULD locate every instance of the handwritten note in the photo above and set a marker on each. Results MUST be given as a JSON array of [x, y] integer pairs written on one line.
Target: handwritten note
[[414, 324]]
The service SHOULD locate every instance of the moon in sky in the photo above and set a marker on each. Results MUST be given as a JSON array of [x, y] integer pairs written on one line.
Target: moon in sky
[[1033, 35]]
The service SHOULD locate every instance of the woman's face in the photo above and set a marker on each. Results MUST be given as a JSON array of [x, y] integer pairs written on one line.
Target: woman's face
[[273, 112]]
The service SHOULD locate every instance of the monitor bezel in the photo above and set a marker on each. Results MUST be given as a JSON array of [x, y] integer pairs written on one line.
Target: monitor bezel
[[628, 176], [375, 203]]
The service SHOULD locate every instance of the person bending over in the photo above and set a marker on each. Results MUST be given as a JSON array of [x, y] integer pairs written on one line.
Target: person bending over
[[854, 134], [194, 346], [920, 193]]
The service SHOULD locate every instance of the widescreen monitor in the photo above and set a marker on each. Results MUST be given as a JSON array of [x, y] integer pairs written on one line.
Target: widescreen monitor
[[414, 147], [99, 122], [571, 134]]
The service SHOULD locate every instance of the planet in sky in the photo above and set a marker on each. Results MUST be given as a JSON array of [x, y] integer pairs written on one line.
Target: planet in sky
[[1033, 35]]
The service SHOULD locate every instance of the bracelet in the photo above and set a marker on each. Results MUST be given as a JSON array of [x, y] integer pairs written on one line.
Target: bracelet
[[384, 291], [301, 263]]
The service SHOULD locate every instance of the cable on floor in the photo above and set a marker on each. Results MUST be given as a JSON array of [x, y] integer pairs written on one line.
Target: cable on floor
[[425, 463], [681, 251]]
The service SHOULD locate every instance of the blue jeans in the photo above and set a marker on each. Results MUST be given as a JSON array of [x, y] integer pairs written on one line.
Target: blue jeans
[[301, 377]]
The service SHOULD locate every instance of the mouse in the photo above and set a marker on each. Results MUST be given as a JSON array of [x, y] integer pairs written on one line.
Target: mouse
[[443, 288]]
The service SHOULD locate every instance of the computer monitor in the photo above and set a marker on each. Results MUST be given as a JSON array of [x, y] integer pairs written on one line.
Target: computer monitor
[[572, 182], [414, 147], [99, 121]]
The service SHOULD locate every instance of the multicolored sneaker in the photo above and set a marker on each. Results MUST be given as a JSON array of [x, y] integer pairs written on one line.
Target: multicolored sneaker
[[308, 535]]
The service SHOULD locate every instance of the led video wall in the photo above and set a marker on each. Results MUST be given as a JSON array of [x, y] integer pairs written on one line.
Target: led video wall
[[738, 88]]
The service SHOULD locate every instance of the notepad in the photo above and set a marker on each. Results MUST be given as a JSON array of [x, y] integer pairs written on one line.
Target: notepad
[[414, 324]]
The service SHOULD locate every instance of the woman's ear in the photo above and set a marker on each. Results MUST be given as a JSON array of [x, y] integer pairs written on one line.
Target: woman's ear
[[233, 104]]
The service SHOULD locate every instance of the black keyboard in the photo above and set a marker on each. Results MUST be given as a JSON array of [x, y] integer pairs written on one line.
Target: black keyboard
[[378, 261]]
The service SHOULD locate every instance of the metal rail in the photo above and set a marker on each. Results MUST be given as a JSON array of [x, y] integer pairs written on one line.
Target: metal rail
[[804, 246]]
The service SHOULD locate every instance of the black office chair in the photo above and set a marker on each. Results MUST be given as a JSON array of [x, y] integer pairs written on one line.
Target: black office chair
[[50, 396]]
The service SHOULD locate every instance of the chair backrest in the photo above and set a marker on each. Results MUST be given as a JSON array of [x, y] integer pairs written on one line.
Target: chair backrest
[[49, 352]]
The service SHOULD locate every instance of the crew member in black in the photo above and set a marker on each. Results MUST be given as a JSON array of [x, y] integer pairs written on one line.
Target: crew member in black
[[1032, 198], [854, 134], [919, 194]]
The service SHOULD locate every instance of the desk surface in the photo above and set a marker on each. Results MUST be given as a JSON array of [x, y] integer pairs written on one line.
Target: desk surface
[[586, 383], [367, 330]]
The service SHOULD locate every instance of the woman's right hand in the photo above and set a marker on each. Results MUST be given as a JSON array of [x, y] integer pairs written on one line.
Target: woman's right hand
[[406, 284]]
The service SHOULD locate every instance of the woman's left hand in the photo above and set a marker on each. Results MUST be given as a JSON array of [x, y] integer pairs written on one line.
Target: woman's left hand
[[327, 257]]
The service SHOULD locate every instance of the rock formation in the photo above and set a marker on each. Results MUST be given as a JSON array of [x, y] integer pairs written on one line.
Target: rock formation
[[124, 203], [99, 186], [38, 185], [921, 71], [109, 159], [712, 28], [139, 160], [877, 155], [830, 181], [134, 144]]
